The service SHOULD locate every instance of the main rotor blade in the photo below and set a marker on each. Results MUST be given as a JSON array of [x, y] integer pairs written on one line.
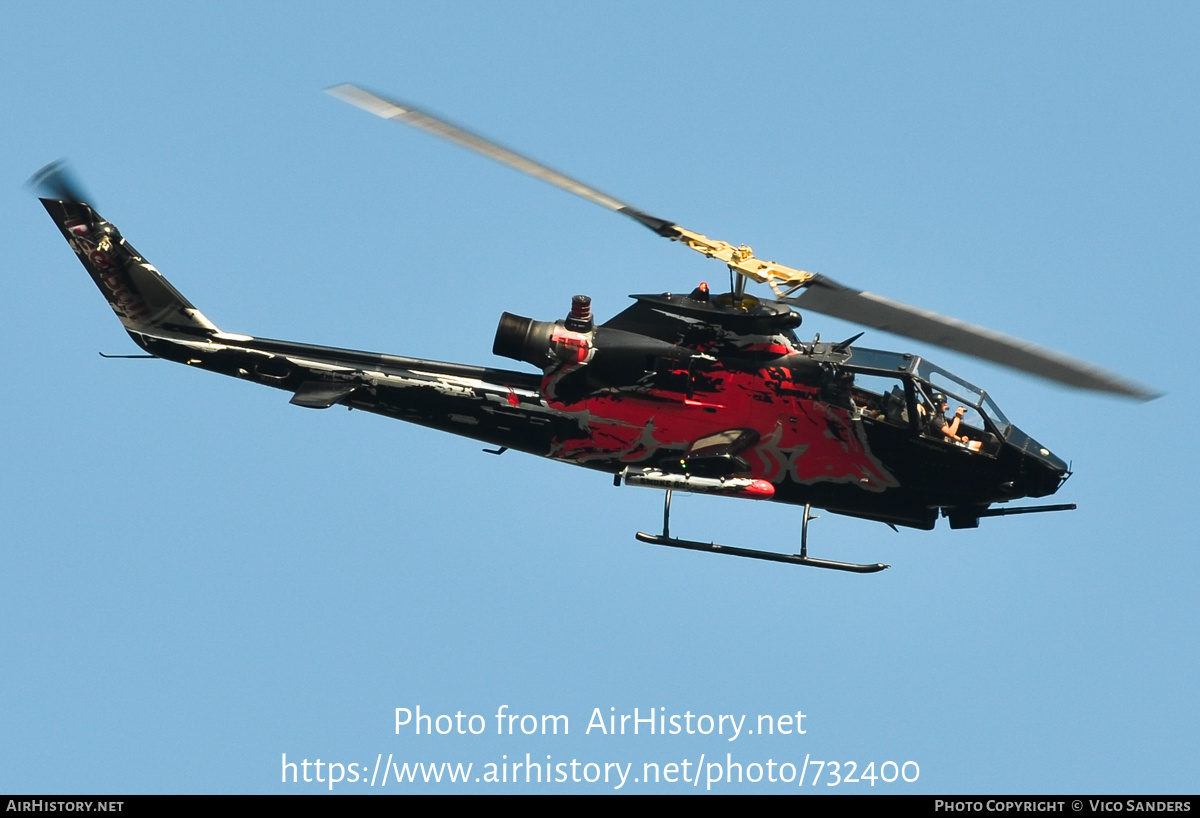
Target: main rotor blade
[[740, 259], [389, 109], [826, 296], [820, 293]]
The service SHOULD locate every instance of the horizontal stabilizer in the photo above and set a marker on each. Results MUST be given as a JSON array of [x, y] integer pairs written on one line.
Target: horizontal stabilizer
[[321, 395]]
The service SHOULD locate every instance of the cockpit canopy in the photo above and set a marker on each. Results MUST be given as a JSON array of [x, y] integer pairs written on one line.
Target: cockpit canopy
[[893, 385]]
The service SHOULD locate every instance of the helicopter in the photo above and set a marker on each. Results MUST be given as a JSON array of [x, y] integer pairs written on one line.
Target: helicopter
[[698, 392]]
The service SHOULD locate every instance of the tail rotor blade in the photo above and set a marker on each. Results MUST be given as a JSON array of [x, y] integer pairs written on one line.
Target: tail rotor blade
[[57, 181]]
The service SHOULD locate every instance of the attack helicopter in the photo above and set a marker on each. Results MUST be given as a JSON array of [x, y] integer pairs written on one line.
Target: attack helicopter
[[700, 392]]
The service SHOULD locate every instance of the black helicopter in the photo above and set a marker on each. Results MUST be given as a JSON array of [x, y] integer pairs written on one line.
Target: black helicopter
[[703, 393]]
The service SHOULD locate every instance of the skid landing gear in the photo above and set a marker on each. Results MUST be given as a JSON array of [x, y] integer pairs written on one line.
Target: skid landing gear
[[794, 559]]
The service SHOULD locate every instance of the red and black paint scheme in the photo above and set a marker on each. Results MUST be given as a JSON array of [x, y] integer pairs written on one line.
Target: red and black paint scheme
[[695, 392]]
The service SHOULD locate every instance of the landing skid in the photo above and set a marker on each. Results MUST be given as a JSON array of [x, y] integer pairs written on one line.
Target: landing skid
[[772, 556]]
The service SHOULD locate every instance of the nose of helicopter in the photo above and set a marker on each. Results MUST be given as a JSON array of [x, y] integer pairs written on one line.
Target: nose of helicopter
[[1041, 471]]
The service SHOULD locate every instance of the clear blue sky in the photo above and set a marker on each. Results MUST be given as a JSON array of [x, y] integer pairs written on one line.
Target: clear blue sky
[[199, 578]]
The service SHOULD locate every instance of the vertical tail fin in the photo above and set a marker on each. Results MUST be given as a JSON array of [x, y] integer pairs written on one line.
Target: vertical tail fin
[[142, 299]]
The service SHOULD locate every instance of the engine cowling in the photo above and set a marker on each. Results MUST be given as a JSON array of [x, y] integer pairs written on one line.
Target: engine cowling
[[602, 355], [541, 343]]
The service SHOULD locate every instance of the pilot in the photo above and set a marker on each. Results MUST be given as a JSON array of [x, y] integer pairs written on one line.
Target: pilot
[[949, 428]]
